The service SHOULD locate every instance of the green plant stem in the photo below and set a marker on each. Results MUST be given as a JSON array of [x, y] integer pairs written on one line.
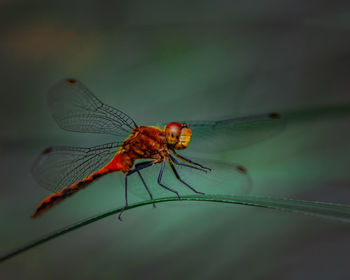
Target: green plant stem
[[329, 211]]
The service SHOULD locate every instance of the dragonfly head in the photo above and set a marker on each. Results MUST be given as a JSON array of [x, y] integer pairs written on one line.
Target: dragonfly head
[[178, 135]]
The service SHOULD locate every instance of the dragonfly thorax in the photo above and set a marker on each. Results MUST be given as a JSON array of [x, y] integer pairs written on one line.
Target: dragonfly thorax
[[178, 135]]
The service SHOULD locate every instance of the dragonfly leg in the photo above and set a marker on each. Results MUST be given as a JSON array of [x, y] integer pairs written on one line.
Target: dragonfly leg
[[179, 178], [160, 180], [187, 165], [190, 161], [138, 167], [147, 189], [141, 164], [126, 198]]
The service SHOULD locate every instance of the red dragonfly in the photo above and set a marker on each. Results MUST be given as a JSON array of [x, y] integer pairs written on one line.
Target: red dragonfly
[[66, 170]]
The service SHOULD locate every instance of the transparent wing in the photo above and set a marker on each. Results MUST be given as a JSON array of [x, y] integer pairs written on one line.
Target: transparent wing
[[75, 108], [233, 133], [59, 167], [224, 178]]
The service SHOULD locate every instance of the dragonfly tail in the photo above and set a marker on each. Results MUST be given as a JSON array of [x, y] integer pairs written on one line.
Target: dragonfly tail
[[57, 197], [121, 162]]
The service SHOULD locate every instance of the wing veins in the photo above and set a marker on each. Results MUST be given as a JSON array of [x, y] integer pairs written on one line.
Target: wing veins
[[70, 99]]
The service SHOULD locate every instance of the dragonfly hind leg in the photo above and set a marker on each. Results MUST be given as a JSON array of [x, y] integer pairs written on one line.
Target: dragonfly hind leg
[[137, 168]]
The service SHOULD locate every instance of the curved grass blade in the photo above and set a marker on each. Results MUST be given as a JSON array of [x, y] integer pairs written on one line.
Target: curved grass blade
[[330, 211]]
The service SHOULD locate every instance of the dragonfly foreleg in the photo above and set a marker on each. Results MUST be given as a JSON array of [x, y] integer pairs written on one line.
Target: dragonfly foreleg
[[187, 165], [137, 168], [179, 178], [189, 161], [160, 180]]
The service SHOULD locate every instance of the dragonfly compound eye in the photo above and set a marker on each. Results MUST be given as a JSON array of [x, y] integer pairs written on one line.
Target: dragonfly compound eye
[[178, 135]]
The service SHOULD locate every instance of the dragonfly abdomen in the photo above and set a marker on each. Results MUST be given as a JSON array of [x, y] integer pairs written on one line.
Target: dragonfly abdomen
[[56, 198], [121, 162]]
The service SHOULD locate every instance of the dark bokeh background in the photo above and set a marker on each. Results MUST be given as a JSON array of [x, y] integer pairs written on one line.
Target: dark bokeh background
[[161, 61]]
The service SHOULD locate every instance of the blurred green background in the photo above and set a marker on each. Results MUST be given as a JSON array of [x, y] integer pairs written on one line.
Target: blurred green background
[[173, 60]]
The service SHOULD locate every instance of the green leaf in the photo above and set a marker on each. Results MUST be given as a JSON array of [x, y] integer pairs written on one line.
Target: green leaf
[[330, 211]]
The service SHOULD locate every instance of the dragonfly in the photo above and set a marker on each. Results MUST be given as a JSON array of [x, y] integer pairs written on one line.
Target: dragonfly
[[65, 170]]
